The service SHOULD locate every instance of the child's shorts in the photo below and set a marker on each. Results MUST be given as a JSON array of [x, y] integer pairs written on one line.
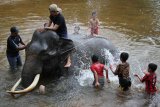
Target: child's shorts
[[125, 82], [100, 80]]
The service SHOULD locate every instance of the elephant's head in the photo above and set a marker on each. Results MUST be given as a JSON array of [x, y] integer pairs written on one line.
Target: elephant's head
[[47, 54]]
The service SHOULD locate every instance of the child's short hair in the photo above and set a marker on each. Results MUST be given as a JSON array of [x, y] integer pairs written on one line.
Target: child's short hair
[[152, 66], [94, 13], [124, 56], [94, 58]]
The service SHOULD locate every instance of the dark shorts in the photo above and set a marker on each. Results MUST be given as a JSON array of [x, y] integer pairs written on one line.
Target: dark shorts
[[100, 80], [125, 83], [65, 36]]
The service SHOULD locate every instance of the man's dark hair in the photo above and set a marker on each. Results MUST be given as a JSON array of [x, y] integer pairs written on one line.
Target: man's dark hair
[[152, 66], [124, 56], [14, 29], [94, 58]]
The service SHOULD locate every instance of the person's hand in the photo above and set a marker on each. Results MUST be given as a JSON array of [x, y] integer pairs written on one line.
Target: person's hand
[[97, 84], [135, 75], [108, 81], [48, 28], [41, 29], [24, 46]]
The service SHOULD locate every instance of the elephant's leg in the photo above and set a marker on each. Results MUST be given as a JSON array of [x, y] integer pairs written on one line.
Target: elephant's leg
[[63, 71]]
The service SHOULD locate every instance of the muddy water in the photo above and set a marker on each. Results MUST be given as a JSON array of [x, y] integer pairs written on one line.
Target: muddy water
[[132, 25]]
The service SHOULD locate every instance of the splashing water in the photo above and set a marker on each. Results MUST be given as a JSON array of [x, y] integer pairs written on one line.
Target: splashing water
[[86, 78], [110, 60], [140, 69], [153, 42]]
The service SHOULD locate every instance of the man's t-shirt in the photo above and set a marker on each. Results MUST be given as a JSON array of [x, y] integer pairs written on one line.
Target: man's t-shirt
[[150, 82], [12, 45], [59, 20], [98, 67]]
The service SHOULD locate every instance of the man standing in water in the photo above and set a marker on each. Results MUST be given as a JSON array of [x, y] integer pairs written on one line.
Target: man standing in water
[[59, 25], [13, 48]]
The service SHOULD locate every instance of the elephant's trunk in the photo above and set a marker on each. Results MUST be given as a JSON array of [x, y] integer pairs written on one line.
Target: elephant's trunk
[[31, 68], [29, 88]]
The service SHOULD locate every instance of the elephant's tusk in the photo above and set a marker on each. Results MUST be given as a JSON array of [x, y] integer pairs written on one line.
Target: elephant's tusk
[[29, 88], [15, 86]]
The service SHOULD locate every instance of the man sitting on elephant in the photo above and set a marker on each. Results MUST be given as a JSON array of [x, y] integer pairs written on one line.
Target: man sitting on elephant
[[59, 25]]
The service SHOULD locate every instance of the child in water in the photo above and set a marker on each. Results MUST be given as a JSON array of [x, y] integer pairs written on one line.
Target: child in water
[[94, 23], [150, 79], [122, 70], [97, 69]]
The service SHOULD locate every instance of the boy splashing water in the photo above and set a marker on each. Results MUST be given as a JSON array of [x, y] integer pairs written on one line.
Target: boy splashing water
[[122, 70], [150, 79], [97, 69]]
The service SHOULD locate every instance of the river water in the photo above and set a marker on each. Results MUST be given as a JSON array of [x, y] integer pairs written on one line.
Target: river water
[[131, 25]]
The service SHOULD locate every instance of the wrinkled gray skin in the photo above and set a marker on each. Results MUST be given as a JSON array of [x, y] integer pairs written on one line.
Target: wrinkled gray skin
[[46, 54]]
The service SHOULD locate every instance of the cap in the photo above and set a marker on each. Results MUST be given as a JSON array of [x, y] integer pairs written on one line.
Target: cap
[[54, 7], [14, 29]]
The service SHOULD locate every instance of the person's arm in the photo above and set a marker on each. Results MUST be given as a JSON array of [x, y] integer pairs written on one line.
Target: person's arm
[[15, 46], [56, 24], [98, 22], [54, 28], [90, 23], [50, 23], [115, 72], [145, 72], [141, 79], [21, 42], [21, 47], [107, 78], [96, 78], [136, 75]]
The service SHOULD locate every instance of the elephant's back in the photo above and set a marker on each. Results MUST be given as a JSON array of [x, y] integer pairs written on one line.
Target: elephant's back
[[87, 46], [91, 42]]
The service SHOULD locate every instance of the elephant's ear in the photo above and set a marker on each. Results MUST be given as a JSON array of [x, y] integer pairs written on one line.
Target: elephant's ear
[[66, 46]]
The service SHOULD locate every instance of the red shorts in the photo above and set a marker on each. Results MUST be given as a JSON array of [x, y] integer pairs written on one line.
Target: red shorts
[[94, 30]]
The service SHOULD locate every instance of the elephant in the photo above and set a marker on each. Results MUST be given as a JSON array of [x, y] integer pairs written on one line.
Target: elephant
[[47, 54]]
